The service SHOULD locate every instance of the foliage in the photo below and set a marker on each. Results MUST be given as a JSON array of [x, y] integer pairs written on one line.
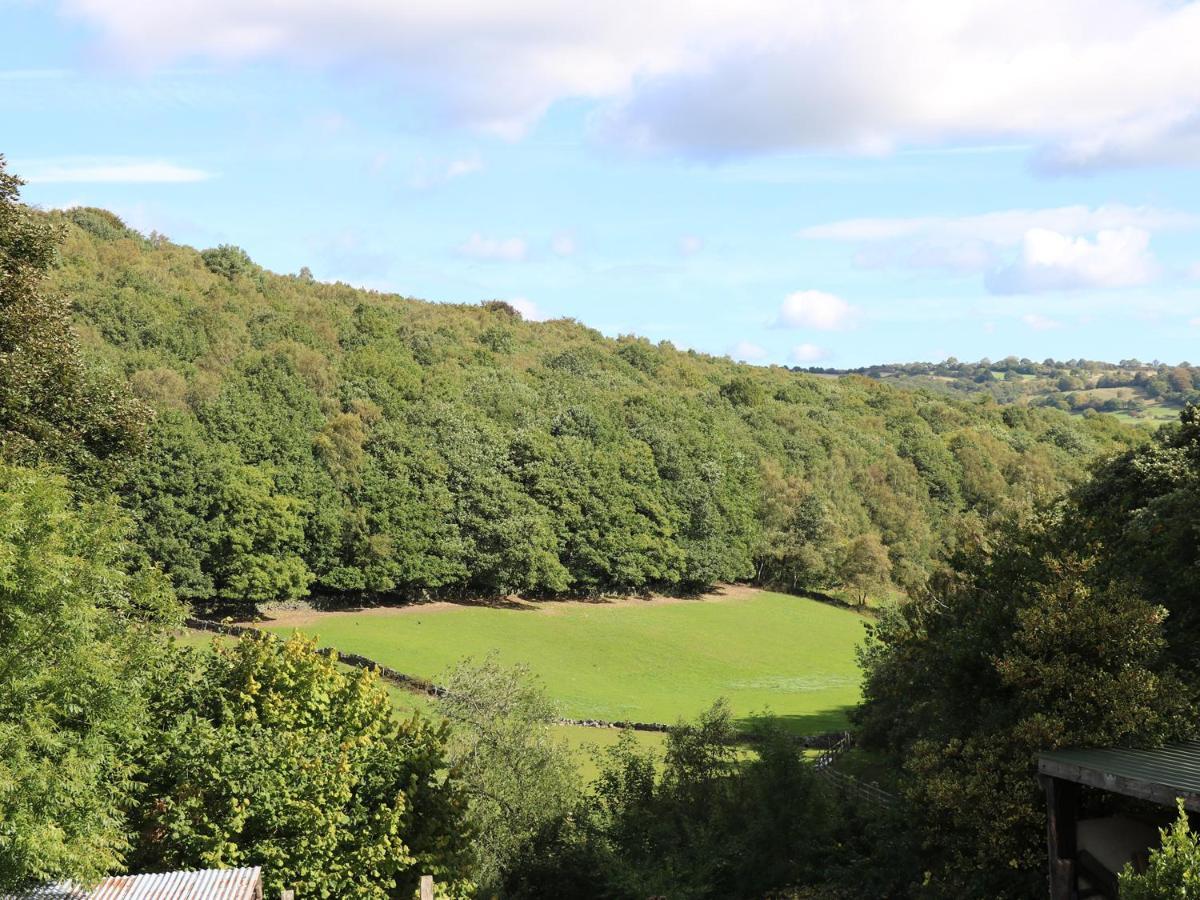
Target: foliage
[[271, 755], [1141, 508], [77, 631], [414, 448], [1138, 390], [516, 775], [709, 824], [54, 407], [1174, 869], [1031, 647], [865, 568]]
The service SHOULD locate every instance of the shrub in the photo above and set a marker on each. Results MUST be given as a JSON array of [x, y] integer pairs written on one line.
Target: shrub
[[1174, 870]]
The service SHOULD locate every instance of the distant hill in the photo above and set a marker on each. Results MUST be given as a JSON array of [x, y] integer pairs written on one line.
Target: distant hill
[[1134, 391], [315, 437]]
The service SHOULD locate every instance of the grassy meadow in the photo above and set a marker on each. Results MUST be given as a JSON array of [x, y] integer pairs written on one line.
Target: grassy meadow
[[632, 660]]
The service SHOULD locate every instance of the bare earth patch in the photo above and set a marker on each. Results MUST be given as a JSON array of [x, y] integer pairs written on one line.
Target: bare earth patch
[[301, 618]]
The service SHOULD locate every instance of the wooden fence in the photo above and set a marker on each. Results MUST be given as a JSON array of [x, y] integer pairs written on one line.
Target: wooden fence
[[868, 792]]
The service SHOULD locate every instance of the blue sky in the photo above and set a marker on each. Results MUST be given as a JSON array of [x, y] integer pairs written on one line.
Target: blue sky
[[827, 184]]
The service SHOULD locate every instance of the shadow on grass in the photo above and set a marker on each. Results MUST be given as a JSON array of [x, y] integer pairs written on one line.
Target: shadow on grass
[[834, 719]]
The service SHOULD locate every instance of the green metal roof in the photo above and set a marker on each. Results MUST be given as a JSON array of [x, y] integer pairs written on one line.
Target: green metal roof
[[1160, 774]]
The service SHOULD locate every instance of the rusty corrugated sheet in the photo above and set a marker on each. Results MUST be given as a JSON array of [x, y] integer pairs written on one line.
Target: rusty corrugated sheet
[[210, 884]]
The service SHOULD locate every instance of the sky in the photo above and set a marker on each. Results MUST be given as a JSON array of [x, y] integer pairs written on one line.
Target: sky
[[822, 183]]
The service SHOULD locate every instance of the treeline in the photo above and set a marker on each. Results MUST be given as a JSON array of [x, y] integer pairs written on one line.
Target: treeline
[[316, 438], [1078, 627], [1053, 383]]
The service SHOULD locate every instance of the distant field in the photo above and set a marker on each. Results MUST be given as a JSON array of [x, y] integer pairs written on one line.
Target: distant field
[[632, 660]]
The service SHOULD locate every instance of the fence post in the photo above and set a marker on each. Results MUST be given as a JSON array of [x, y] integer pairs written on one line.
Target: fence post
[[426, 887], [287, 895]]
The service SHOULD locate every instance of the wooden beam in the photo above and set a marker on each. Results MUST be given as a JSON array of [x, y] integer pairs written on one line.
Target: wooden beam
[[1062, 810], [1162, 794]]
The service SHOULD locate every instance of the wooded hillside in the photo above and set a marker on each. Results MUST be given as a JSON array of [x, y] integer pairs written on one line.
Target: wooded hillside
[[315, 437]]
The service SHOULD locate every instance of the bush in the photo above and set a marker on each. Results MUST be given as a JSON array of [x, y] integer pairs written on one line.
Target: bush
[[1174, 870]]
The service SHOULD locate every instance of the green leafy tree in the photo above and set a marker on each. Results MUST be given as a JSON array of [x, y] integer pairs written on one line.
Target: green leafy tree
[[1028, 648], [1174, 869], [516, 774], [701, 822], [53, 406], [78, 636], [434, 449], [271, 755], [865, 567]]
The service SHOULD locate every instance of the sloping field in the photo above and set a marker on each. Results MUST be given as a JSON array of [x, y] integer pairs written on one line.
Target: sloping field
[[632, 660]]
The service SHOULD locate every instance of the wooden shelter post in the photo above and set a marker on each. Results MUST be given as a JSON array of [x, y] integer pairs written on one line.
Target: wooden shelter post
[[1062, 808]]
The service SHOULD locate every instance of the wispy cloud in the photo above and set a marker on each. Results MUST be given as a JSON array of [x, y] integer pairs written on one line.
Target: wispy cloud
[[477, 246], [1003, 227], [809, 353], [1018, 250], [108, 171], [1039, 322], [564, 244], [429, 173], [32, 74], [747, 351]]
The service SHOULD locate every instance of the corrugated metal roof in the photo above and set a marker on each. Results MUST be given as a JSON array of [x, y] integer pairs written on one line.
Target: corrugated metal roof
[[1172, 770], [59, 891], [209, 884]]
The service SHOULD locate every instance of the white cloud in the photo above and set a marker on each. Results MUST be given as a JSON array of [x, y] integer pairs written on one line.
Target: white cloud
[[808, 353], [1019, 250], [466, 166], [1090, 82], [563, 244], [1038, 322], [429, 173], [1003, 227], [1050, 261], [100, 171], [32, 74], [527, 308], [1195, 323], [477, 246], [747, 351], [690, 245], [815, 309]]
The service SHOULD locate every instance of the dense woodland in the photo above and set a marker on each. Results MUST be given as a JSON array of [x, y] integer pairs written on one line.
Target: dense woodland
[[316, 438], [210, 432]]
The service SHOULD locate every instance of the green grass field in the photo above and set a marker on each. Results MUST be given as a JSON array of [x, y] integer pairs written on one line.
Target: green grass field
[[644, 662]]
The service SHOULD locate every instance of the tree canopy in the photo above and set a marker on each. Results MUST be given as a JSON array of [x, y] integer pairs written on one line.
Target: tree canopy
[[314, 437]]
